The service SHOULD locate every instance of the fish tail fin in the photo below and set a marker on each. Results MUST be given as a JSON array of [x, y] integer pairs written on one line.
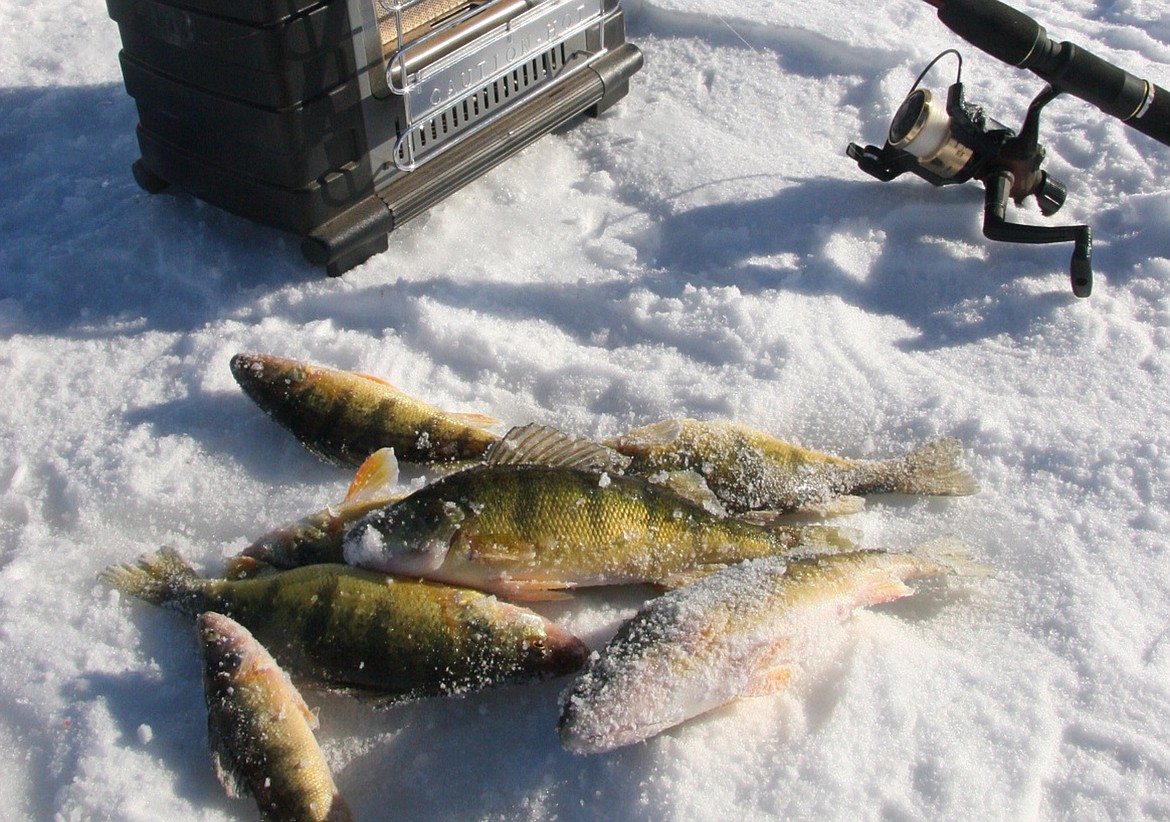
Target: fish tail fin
[[161, 578], [952, 556], [935, 469]]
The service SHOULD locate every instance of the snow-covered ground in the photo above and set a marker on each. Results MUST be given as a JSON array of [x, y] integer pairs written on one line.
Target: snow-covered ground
[[705, 249]]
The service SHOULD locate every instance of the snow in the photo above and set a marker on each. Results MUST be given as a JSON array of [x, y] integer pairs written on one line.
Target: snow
[[705, 249]]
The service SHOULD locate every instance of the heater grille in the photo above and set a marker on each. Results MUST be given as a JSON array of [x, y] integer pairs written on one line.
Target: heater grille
[[449, 93], [416, 20], [424, 138]]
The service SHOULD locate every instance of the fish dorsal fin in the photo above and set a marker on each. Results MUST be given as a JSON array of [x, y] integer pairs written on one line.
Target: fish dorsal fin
[[373, 477], [468, 417], [378, 380], [473, 419], [536, 444], [654, 435]]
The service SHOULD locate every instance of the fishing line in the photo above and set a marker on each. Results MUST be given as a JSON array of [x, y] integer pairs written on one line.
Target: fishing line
[[731, 28]]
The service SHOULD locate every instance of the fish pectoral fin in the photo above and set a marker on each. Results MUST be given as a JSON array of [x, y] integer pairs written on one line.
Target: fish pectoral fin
[[836, 507], [810, 513], [532, 590], [298, 703], [827, 539], [690, 485], [491, 551], [224, 764], [771, 681], [373, 477], [884, 589]]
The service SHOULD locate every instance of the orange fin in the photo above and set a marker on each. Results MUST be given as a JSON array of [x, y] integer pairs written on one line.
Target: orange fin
[[474, 419], [770, 681], [372, 378], [533, 590], [373, 476], [244, 567], [886, 589]]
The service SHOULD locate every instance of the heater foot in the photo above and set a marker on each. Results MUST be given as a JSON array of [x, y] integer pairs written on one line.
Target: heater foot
[[147, 180]]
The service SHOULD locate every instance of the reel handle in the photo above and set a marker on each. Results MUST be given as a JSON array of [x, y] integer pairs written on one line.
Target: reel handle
[[996, 227]]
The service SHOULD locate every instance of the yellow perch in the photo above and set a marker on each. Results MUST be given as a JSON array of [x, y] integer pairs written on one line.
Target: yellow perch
[[742, 632], [317, 538], [355, 630], [524, 529], [344, 416], [750, 470], [261, 731]]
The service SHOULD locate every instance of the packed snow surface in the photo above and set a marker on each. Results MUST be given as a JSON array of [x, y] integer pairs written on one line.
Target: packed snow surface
[[705, 249]]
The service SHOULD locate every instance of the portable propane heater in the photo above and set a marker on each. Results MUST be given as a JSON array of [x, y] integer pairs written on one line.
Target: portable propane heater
[[338, 120]]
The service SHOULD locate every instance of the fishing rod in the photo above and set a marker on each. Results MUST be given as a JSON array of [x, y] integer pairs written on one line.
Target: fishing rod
[[1017, 39], [954, 141]]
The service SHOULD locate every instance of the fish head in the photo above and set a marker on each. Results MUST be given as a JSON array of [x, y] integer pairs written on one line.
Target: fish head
[[411, 537], [608, 708], [226, 645], [538, 647], [267, 379], [551, 650], [656, 673], [613, 706]]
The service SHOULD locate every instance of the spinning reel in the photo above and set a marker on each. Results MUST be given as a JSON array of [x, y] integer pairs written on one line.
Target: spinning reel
[[953, 141]]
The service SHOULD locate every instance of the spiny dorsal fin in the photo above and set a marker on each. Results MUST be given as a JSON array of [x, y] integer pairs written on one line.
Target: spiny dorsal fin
[[536, 444]]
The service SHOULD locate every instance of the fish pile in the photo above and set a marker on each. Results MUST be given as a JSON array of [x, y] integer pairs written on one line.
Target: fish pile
[[393, 595]]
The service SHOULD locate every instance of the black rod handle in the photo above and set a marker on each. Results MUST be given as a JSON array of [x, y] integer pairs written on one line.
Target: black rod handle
[[1017, 39]]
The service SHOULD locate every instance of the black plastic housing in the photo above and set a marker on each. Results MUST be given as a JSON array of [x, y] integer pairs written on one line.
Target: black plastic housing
[[280, 111]]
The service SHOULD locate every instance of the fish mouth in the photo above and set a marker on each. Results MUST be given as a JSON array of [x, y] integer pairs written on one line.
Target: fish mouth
[[579, 735], [564, 652], [254, 369], [224, 640]]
